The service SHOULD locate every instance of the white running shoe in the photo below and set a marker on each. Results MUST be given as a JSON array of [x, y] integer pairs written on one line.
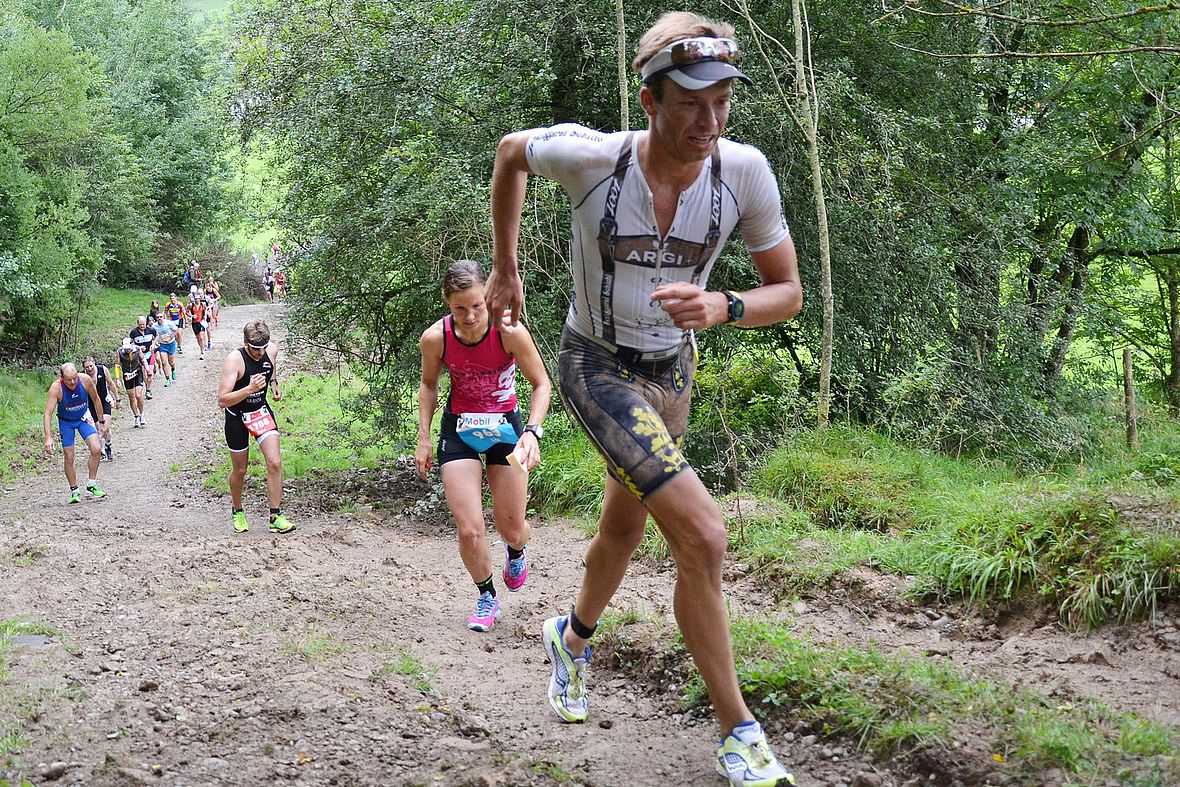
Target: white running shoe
[[568, 695], [745, 758]]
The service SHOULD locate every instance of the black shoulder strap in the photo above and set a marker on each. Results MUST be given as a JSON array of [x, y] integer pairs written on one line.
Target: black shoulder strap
[[714, 235], [608, 235]]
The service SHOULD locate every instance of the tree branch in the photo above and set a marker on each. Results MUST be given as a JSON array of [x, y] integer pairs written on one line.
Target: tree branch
[[1130, 50], [985, 11]]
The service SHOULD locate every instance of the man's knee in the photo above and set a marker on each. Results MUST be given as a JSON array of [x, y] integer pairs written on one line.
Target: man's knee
[[471, 534], [700, 548], [622, 536]]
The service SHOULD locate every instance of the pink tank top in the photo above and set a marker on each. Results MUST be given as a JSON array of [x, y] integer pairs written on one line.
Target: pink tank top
[[483, 375]]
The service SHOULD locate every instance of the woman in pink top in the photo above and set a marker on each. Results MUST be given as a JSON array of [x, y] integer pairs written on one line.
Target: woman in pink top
[[480, 426]]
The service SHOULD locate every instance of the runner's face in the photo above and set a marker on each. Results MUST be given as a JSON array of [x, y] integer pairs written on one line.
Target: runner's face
[[468, 307], [688, 123], [142, 323], [70, 380], [253, 353], [90, 369]]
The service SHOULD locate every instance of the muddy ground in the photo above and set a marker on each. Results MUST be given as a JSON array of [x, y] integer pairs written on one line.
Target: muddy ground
[[339, 655]]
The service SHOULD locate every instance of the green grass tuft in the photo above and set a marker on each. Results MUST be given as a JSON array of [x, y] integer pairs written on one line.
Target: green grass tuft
[[404, 662]]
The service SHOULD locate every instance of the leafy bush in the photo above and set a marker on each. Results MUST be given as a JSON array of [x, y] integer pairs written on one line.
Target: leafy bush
[[952, 405], [743, 401]]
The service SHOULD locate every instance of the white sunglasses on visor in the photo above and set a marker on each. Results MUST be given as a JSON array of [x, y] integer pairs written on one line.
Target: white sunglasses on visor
[[695, 63]]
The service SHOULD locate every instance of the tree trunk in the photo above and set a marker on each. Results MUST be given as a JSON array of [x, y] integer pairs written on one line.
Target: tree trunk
[[1079, 255], [1173, 379], [1129, 396], [803, 109], [624, 90], [809, 115]]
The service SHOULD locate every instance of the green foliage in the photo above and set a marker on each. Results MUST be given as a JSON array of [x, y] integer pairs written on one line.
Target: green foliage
[[104, 143], [966, 199], [22, 401]]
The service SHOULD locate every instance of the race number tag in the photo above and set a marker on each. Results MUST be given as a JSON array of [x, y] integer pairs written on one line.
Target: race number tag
[[481, 431], [259, 422]]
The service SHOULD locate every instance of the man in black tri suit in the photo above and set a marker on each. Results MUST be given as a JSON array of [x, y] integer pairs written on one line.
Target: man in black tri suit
[[652, 210], [145, 338], [245, 377], [108, 395], [133, 375]]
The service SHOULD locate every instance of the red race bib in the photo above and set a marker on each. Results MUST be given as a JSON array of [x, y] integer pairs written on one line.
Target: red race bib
[[259, 422]]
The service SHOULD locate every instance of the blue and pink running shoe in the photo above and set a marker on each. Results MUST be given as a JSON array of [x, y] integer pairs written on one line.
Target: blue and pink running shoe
[[487, 609], [516, 571]]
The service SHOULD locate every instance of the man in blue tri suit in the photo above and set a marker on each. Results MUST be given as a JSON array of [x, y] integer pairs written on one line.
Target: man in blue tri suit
[[71, 395]]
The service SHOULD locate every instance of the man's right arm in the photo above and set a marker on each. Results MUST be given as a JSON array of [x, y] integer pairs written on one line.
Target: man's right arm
[[509, 185], [51, 401], [233, 368]]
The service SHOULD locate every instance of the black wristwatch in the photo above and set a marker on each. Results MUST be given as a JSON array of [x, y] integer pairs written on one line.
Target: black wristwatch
[[737, 307], [537, 430]]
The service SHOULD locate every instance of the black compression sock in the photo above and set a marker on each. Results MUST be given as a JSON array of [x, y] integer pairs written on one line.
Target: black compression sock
[[513, 553], [275, 512], [486, 586]]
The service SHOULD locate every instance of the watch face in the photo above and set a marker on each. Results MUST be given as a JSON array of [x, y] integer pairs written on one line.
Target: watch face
[[737, 307]]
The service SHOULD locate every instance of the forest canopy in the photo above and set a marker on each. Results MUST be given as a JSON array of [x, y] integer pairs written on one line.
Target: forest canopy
[[109, 152], [1002, 189]]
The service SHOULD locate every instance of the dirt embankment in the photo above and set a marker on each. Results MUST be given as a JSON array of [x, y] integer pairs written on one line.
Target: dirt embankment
[[339, 655]]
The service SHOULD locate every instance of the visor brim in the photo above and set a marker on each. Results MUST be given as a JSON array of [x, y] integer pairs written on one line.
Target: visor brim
[[699, 76]]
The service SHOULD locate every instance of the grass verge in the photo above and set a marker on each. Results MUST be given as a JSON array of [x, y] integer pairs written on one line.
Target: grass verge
[[918, 709], [983, 532], [108, 318], [22, 401]]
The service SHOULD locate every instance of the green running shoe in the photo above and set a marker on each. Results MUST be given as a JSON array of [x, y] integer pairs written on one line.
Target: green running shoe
[[239, 522], [745, 758], [95, 492], [280, 524], [75, 496]]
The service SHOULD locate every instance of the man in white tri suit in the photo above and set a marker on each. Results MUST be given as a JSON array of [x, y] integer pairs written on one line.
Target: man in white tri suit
[[651, 212]]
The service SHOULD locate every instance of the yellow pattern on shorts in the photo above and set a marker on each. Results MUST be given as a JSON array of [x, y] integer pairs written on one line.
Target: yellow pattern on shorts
[[625, 478], [649, 424]]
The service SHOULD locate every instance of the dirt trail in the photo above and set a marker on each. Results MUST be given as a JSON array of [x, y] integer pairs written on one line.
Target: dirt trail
[[192, 656]]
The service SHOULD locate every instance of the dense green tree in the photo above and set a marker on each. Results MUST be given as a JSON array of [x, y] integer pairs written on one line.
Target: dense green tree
[[975, 185], [46, 110]]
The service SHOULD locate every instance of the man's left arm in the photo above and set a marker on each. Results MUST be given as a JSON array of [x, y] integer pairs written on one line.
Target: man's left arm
[[778, 298]]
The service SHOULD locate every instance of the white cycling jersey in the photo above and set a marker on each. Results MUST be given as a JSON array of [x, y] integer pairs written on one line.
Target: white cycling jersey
[[618, 258]]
